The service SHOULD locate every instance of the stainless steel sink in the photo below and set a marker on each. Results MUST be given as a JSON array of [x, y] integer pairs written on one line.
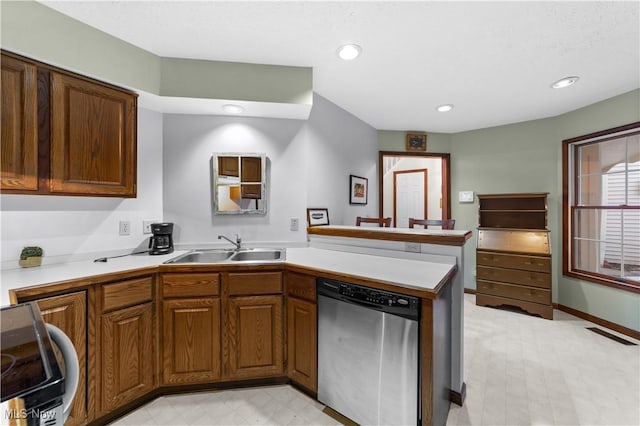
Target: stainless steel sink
[[218, 256], [202, 256], [258, 255]]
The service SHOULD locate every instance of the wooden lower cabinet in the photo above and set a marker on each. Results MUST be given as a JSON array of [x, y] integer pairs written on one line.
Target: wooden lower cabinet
[[255, 329], [69, 313], [302, 338], [127, 355], [191, 340]]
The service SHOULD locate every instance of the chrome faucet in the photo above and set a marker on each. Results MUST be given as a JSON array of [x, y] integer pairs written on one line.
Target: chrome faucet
[[237, 243]]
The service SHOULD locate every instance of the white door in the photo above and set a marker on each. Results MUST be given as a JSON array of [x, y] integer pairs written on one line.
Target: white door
[[410, 189]]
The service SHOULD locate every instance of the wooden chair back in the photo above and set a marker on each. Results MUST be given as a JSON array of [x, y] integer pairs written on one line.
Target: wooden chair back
[[383, 222], [445, 224]]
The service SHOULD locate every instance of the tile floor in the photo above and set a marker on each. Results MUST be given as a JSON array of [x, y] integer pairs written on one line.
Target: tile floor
[[519, 370]]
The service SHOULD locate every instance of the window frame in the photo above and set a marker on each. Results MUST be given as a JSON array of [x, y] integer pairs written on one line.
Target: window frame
[[568, 268]]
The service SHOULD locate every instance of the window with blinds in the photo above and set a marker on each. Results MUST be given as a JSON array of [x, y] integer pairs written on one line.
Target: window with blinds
[[601, 207]]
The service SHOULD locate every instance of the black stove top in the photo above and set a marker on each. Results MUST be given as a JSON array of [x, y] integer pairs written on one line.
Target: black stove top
[[29, 367]]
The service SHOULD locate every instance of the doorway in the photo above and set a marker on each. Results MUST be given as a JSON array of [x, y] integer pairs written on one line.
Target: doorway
[[401, 174], [410, 195]]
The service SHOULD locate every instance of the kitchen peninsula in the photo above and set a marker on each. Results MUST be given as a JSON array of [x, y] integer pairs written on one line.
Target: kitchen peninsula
[[200, 322]]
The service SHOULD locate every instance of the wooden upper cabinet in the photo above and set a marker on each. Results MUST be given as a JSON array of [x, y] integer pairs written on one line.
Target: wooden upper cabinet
[[19, 110], [65, 134], [93, 149], [251, 169], [228, 166]]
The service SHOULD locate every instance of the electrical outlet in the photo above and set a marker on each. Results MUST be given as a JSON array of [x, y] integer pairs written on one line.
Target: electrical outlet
[[295, 223], [124, 227], [146, 226], [412, 247]]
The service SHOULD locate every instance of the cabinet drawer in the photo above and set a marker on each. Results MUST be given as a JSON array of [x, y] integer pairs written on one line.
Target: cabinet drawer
[[188, 285], [301, 286], [528, 263], [126, 293], [529, 294], [255, 283], [536, 279]]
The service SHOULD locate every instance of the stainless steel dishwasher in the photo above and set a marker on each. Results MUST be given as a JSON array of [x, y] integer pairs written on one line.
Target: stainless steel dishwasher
[[368, 343]]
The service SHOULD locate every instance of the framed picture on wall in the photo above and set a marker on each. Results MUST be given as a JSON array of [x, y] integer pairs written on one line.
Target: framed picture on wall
[[317, 217], [416, 141], [358, 187]]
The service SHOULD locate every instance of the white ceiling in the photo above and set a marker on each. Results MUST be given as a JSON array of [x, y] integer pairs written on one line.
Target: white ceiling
[[494, 61]]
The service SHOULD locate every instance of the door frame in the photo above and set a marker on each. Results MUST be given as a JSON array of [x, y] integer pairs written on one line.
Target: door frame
[[446, 177], [425, 190]]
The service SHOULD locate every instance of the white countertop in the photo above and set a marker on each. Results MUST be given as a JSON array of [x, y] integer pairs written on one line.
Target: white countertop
[[46, 274], [415, 274]]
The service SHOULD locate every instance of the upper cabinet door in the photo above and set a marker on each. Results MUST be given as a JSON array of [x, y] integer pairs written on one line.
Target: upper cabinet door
[[19, 156], [93, 139]]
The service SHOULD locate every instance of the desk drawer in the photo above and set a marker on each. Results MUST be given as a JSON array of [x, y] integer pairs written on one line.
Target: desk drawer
[[254, 283], [514, 276], [530, 294], [126, 293], [301, 286], [527, 263], [190, 285]]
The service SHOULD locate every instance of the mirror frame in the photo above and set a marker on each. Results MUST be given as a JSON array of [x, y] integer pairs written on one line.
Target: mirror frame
[[446, 177], [215, 177]]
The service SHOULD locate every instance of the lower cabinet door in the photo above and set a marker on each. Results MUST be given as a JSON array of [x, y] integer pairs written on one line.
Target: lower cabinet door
[[191, 340], [127, 355], [255, 336], [302, 364], [69, 313]]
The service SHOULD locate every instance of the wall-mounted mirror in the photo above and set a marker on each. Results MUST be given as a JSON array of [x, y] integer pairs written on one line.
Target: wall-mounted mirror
[[239, 183]]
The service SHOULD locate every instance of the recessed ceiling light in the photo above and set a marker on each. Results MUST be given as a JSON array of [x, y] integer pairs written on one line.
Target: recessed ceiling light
[[445, 108], [565, 82], [349, 51], [232, 108]]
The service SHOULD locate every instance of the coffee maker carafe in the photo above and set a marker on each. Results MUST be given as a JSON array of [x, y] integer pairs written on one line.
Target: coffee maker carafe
[[161, 242]]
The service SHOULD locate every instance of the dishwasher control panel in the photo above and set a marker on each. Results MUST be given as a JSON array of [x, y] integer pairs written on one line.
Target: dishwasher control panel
[[386, 301]]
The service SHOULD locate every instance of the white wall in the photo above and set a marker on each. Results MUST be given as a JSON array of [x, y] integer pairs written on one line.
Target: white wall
[[76, 227], [309, 163], [339, 145]]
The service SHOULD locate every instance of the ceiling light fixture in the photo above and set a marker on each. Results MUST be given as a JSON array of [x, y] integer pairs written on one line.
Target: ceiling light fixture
[[349, 51], [232, 109], [445, 108], [565, 82]]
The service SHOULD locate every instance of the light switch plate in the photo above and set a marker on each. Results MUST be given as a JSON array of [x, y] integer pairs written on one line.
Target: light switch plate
[[465, 196]]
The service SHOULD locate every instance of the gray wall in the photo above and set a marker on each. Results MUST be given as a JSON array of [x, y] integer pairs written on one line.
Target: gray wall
[[527, 157], [39, 32], [309, 166], [393, 140]]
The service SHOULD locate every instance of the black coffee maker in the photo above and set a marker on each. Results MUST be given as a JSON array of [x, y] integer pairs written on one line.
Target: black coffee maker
[[161, 242]]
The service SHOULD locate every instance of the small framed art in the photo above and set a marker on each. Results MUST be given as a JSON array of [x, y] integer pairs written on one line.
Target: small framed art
[[317, 217], [358, 187], [416, 141]]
